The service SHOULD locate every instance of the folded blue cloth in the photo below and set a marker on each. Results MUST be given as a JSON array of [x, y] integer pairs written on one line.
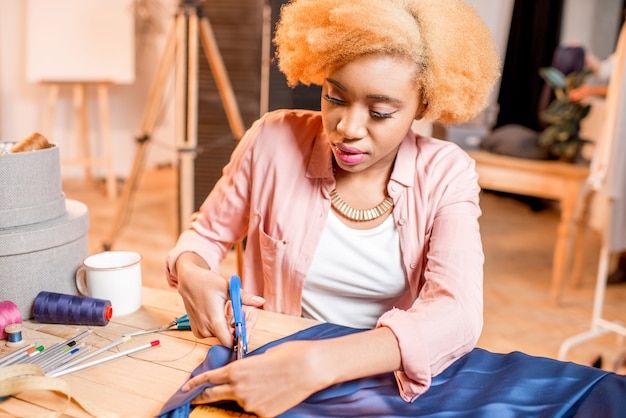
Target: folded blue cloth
[[479, 384]]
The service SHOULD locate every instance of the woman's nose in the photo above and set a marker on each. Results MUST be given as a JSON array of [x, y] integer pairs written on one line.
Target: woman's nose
[[352, 124]]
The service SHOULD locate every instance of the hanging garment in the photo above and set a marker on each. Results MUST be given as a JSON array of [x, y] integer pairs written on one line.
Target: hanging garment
[[615, 134], [479, 384]]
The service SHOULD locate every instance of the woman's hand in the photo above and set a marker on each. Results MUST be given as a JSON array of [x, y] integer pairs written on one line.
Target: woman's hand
[[587, 90], [266, 384], [205, 295]]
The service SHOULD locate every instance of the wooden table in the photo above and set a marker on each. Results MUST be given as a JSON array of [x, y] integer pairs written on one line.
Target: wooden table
[[557, 180], [140, 384]]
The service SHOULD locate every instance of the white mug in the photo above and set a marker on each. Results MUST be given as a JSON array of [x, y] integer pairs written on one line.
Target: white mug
[[113, 276]]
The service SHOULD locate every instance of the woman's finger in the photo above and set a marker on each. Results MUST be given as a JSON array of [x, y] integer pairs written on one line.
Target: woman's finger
[[248, 298], [215, 377], [214, 394]]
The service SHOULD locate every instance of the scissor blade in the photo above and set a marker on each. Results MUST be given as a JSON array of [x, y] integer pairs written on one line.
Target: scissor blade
[[240, 347], [149, 331]]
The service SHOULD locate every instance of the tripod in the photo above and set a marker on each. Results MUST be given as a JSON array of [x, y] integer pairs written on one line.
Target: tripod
[[181, 49]]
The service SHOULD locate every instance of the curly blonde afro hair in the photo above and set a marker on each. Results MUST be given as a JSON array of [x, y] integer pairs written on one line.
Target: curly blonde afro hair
[[452, 47]]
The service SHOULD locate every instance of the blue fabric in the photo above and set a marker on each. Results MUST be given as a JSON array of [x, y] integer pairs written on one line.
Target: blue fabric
[[479, 384]]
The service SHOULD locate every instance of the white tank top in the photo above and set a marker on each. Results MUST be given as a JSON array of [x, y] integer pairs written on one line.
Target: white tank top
[[356, 275]]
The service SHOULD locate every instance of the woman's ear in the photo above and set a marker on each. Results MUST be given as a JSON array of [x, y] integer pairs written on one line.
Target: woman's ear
[[421, 111]]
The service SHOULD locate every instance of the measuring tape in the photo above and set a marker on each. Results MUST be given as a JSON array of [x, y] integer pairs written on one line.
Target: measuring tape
[[20, 378]]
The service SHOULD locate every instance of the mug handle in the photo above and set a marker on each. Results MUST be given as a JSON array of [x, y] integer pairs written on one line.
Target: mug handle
[[81, 280]]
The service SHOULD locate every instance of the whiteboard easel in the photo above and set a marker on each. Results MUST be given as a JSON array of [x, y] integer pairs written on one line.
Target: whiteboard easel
[[81, 43], [82, 149]]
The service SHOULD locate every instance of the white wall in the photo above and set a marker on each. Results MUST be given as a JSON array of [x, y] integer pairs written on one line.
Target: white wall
[[497, 16], [23, 105], [592, 24]]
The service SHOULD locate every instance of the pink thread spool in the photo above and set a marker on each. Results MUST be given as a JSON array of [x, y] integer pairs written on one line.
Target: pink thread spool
[[9, 315]]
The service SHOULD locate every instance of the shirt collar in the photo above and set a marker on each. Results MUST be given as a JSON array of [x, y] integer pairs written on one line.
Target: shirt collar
[[404, 167], [321, 161]]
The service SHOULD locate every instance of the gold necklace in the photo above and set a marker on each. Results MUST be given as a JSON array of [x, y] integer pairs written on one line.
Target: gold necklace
[[359, 215]]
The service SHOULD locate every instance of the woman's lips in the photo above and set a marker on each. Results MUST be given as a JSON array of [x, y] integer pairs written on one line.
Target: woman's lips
[[349, 155]]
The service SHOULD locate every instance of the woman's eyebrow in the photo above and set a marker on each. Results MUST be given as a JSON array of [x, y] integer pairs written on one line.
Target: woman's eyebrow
[[382, 97], [336, 84]]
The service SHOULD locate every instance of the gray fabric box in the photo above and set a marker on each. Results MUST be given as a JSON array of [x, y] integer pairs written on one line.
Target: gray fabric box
[[30, 186], [43, 256], [43, 236]]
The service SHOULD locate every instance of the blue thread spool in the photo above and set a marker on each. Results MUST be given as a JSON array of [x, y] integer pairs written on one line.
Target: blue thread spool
[[14, 335], [58, 308]]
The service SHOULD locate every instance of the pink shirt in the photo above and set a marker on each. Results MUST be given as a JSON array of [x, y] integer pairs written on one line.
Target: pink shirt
[[275, 191]]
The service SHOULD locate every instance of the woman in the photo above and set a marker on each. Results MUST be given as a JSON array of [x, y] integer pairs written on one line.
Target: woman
[[349, 216]]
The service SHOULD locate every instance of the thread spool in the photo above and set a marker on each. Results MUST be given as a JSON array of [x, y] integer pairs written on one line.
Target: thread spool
[[58, 308], [14, 335], [9, 314]]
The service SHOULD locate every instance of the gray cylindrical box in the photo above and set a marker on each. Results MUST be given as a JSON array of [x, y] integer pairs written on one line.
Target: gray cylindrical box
[[43, 256], [30, 186], [43, 236]]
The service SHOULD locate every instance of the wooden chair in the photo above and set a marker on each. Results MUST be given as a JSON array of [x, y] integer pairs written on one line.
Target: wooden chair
[[566, 183]]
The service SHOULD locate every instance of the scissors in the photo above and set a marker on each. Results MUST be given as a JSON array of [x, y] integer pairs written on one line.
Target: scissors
[[241, 343], [181, 323]]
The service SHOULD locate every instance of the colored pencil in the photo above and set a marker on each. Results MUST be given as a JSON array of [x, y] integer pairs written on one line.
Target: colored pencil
[[24, 357], [60, 355], [67, 357], [92, 354], [60, 346], [16, 353], [82, 366]]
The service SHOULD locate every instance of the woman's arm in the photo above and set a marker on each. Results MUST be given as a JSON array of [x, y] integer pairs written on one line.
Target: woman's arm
[[587, 90], [445, 261]]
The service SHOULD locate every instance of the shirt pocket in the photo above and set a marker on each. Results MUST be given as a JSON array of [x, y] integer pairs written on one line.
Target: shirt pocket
[[273, 259]]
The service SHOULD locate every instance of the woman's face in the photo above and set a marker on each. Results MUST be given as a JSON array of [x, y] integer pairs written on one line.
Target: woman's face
[[368, 106]]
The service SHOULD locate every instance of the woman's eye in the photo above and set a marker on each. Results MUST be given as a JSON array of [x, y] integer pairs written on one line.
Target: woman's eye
[[333, 100], [381, 115], [374, 113]]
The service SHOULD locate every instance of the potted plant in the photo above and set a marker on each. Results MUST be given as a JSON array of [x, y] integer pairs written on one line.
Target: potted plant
[[563, 116]]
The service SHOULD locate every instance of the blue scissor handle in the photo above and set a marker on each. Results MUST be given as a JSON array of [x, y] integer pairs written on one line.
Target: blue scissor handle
[[240, 319]]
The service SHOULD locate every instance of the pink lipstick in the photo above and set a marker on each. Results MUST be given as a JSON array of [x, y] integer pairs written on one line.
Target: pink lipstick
[[349, 155]]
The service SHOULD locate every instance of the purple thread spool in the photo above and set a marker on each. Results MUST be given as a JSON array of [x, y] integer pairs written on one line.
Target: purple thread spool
[[58, 308]]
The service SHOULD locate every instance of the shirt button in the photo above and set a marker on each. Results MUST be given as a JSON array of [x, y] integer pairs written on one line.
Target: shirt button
[[413, 265], [402, 222]]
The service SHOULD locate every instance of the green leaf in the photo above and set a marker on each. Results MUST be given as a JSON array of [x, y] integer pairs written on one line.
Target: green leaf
[[576, 79], [553, 77]]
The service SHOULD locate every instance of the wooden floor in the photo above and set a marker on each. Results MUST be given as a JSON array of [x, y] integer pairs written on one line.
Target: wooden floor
[[518, 244]]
